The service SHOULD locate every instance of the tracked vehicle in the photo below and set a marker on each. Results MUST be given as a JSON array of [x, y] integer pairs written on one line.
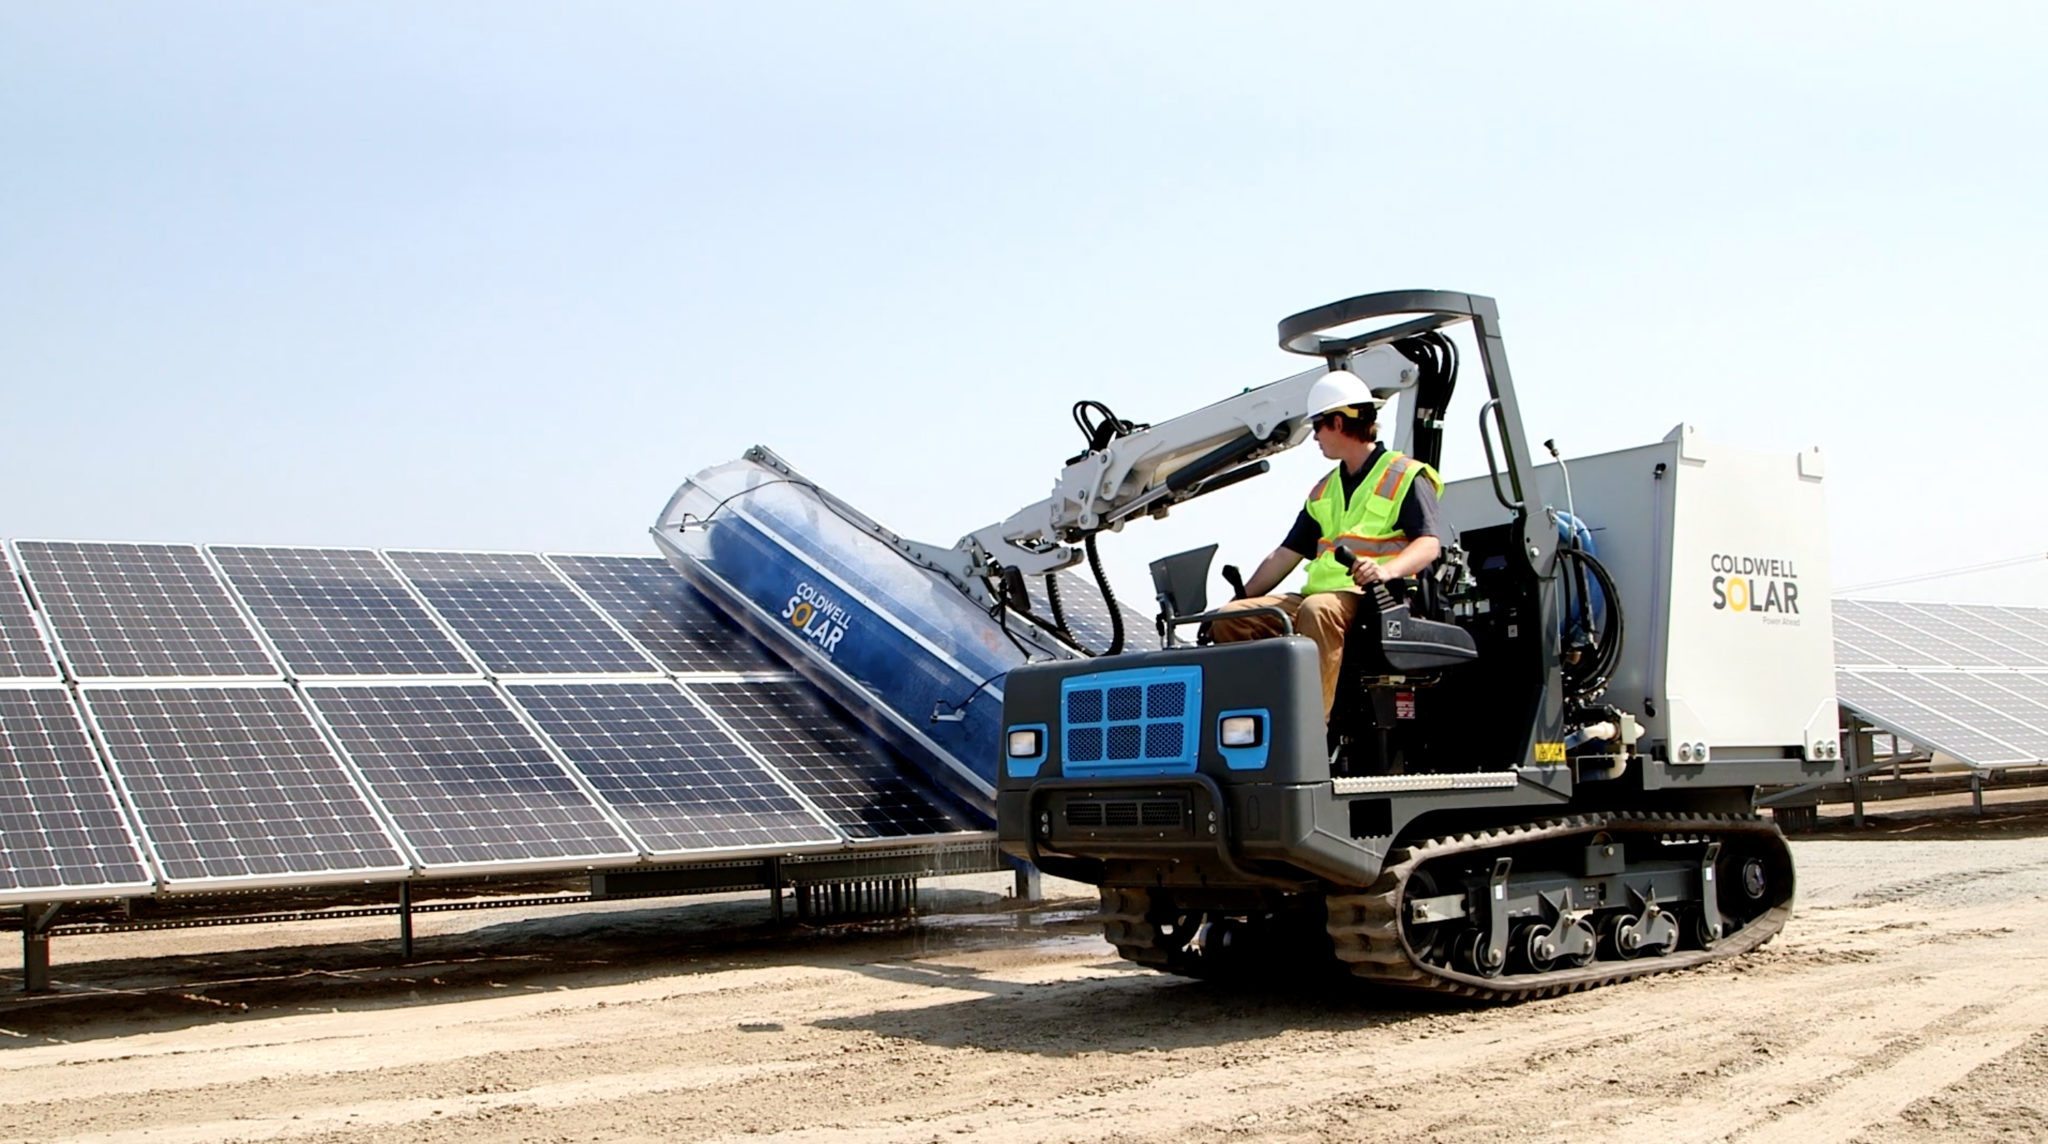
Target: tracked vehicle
[[1539, 772]]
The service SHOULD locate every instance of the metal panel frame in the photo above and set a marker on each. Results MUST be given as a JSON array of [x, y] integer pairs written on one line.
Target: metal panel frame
[[425, 869], [144, 858], [652, 670], [64, 654], [405, 585], [166, 885], [839, 838]]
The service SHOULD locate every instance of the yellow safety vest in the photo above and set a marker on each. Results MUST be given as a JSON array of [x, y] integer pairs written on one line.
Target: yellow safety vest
[[1366, 524]]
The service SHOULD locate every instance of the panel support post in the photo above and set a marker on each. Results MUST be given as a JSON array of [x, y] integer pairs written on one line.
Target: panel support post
[[35, 947], [1977, 793], [1030, 884], [774, 880], [405, 921]]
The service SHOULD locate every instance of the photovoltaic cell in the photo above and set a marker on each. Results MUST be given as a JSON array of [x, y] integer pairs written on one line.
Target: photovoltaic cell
[[1870, 696], [518, 615], [862, 788], [236, 783], [140, 611], [672, 775], [339, 611], [61, 832], [466, 782], [646, 597], [23, 654]]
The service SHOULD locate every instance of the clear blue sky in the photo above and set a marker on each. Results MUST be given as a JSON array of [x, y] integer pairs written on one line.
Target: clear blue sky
[[501, 275]]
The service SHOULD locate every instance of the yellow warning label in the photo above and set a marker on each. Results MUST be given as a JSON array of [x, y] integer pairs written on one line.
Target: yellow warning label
[[1549, 754]]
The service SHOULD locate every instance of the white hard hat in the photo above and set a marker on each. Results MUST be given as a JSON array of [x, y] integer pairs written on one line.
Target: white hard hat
[[1341, 391]]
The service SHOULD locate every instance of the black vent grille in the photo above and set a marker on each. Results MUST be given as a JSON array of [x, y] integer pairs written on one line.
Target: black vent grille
[[1127, 813]]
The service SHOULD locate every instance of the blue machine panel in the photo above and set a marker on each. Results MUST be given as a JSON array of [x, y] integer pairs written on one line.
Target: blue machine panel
[[1140, 721]]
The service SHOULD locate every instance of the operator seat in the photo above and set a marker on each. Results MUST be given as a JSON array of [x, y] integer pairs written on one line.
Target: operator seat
[[1372, 717]]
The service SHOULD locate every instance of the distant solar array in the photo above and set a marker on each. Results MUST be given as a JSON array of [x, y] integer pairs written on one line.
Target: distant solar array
[[237, 716], [1968, 680]]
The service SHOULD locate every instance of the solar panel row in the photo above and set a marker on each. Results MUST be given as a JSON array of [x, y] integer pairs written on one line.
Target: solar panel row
[[1871, 633], [1968, 680], [1986, 720], [392, 752], [127, 611]]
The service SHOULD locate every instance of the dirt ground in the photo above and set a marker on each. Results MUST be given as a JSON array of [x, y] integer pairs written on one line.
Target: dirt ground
[[1906, 1000]]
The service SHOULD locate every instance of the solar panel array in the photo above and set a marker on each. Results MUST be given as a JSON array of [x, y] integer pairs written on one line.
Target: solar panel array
[[1968, 680], [286, 716]]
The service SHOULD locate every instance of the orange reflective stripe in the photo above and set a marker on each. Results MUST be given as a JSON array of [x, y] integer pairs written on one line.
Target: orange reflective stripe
[[1374, 546], [1316, 494], [1391, 479]]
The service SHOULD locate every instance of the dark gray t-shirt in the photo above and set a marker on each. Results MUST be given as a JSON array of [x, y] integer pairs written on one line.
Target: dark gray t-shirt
[[1417, 517]]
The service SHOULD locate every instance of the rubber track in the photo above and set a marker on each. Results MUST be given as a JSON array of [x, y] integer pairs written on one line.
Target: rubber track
[[1366, 926]]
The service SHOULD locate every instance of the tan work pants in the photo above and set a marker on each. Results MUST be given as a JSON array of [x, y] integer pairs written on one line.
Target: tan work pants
[[1323, 617]]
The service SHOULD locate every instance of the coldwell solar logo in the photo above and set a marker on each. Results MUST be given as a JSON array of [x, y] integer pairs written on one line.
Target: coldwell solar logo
[[1766, 586], [817, 616]]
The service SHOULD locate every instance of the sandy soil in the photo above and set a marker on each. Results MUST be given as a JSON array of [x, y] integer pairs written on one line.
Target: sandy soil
[[1907, 1000]]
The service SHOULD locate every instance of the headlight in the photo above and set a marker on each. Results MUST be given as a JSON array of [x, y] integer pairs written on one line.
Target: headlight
[[1024, 744], [1240, 731]]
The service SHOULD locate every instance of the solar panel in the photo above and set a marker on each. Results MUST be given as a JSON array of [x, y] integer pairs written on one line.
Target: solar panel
[[672, 775], [1877, 650], [1870, 695], [862, 788], [669, 618], [517, 615], [1945, 647], [2005, 693], [62, 833], [339, 611], [1980, 635], [235, 784], [124, 611], [1932, 692], [1087, 614], [23, 654], [467, 782], [2027, 627]]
